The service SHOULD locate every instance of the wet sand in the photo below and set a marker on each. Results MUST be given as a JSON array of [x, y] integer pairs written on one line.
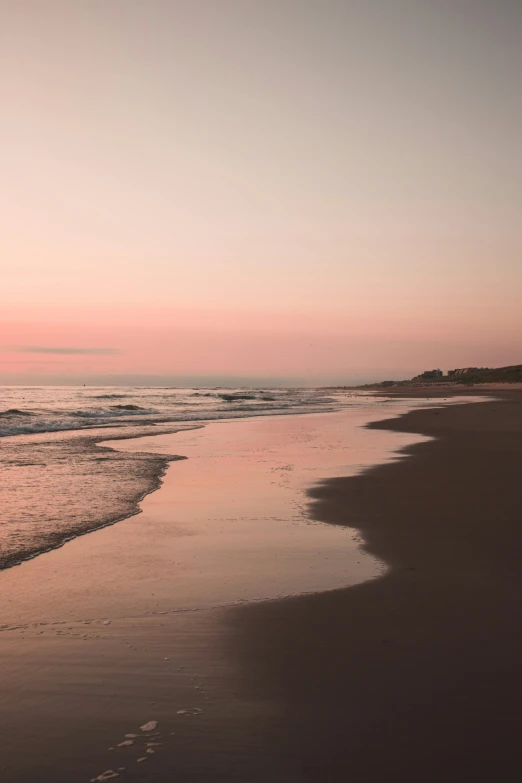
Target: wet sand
[[416, 676], [129, 623], [412, 676], [229, 523]]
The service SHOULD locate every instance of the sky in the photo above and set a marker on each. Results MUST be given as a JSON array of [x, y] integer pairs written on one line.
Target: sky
[[307, 191]]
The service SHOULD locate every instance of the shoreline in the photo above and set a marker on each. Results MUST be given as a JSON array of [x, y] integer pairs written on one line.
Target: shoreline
[[94, 443], [130, 625], [94, 440], [49, 447], [227, 523], [413, 675], [416, 675]]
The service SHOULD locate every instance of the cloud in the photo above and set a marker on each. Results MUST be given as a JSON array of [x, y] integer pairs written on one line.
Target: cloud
[[67, 350]]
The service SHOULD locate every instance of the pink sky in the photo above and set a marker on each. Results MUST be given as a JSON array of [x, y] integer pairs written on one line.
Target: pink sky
[[300, 190], [307, 347]]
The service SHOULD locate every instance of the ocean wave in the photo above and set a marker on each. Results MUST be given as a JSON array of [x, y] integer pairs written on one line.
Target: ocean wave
[[233, 397], [60, 410], [35, 428], [118, 410], [108, 396], [32, 424]]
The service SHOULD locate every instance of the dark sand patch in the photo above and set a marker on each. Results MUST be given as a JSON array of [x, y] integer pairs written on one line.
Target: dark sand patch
[[415, 676]]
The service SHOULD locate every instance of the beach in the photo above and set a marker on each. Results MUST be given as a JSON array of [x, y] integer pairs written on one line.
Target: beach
[[415, 676], [397, 658], [261, 392]]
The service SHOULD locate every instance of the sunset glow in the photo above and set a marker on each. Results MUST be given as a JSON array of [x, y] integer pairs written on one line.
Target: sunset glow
[[270, 190]]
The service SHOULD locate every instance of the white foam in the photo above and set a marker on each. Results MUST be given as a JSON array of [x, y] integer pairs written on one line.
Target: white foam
[[150, 726]]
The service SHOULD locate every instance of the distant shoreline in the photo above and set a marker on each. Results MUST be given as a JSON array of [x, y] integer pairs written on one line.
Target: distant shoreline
[[436, 388]]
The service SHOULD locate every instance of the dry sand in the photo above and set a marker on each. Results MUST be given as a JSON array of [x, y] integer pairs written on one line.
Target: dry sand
[[414, 676]]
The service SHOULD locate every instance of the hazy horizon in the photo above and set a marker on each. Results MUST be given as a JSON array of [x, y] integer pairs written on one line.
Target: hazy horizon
[[203, 382], [287, 189], [209, 381]]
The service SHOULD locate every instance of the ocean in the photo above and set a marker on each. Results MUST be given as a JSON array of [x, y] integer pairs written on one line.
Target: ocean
[[58, 480]]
